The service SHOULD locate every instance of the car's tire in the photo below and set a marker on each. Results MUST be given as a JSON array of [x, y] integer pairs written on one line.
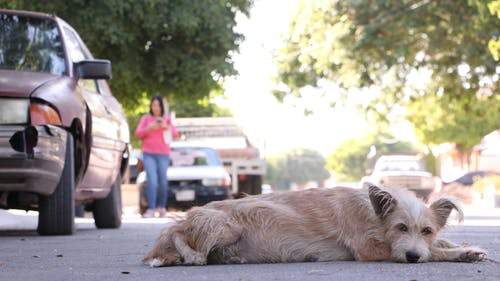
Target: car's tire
[[143, 200], [80, 211], [57, 211], [108, 211]]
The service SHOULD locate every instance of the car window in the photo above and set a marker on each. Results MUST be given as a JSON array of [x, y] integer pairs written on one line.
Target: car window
[[75, 50], [77, 54], [88, 84], [221, 142], [189, 156], [31, 44], [103, 88], [400, 165]]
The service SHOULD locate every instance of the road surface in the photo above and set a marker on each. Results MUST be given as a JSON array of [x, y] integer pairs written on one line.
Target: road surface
[[93, 254]]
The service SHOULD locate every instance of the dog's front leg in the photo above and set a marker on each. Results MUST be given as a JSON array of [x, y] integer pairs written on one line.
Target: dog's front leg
[[191, 257], [458, 254], [373, 250], [443, 243]]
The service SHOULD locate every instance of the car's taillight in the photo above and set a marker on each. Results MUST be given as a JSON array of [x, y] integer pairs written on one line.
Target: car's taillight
[[216, 182], [42, 114], [226, 181]]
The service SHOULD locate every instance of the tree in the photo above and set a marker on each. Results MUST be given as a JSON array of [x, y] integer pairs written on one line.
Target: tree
[[200, 108], [464, 121], [385, 45], [180, 49], [298, 166], [351, 160]]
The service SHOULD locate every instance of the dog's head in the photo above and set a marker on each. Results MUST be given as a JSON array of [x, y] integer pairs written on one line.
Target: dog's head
[[410, 226]]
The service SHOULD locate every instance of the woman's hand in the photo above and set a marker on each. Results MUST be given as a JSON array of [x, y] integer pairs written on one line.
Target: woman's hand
[[159, 123], [163, 124], [154, 126]]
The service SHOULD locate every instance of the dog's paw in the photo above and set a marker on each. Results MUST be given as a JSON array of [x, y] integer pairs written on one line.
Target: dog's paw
[[167, 259], [155, 262], [195, 259], [236, 260], [472, 254]]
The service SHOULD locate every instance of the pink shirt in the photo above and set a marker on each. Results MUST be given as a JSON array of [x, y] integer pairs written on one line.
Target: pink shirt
[[152, 141]]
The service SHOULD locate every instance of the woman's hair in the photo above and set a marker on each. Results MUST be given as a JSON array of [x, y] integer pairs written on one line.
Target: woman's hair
[[160, 100]]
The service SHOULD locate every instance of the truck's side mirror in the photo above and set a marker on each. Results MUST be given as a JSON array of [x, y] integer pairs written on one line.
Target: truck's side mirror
[[92, 69]]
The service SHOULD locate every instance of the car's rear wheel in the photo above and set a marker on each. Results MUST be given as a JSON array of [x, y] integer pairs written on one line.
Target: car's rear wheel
[[108, 211], [57, 211], [143, 200]]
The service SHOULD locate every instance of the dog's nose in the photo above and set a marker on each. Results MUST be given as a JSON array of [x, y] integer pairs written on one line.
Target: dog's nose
[[412, 256]]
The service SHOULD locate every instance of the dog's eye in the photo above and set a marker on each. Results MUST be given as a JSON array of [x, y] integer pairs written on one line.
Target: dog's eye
[[426, 231], [403, 228]]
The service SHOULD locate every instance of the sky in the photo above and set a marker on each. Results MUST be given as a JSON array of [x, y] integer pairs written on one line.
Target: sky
[[274, 127]]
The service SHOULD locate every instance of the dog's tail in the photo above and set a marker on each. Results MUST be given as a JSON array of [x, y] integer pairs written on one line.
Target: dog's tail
[[163, 252]]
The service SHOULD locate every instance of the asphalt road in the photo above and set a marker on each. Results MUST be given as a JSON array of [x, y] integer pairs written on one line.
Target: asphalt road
[[93, 254]]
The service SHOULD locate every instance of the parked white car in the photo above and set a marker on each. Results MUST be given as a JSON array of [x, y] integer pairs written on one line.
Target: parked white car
[[403, 171], [196, 176]]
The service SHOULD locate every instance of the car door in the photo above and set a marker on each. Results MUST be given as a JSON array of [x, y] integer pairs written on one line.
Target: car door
[[118, 117], [105, 151]]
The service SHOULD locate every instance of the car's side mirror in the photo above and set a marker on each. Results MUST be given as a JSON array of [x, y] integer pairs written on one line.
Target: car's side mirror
[[92, 69]]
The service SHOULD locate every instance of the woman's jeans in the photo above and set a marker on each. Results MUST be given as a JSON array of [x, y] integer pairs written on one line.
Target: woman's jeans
[[156, 166]]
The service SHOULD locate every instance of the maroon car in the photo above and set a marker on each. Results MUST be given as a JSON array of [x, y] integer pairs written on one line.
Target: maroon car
[[63, 136]]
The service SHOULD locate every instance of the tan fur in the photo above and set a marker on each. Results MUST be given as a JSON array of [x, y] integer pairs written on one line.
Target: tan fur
[[312, 225]]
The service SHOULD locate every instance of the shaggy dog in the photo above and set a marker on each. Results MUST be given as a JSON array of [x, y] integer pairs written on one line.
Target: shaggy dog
[[372, 224]]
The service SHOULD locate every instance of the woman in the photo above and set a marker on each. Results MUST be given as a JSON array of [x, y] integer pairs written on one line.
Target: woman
[[156, 155]]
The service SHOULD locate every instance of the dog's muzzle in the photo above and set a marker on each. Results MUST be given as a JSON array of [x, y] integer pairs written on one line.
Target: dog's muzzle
[[412, 256]]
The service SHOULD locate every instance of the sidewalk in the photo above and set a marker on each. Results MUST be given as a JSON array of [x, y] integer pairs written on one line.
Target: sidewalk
[[19, 219], [130, 201]]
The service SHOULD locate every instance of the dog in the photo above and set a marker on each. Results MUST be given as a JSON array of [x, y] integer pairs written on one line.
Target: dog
[[323, 224]]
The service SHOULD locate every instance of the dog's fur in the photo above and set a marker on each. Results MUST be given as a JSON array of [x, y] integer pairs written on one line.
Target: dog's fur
[[313, 225]]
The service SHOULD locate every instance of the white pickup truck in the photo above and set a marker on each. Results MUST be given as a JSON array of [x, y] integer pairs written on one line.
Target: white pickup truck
[[241, 159], [403, 171]]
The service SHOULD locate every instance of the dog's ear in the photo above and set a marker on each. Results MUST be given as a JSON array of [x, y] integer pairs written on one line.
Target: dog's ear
[[382, 201], [442, 209]]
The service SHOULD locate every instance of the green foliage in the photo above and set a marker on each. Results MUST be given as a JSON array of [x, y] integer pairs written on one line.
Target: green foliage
[[482, 184], [494, 43], [350, 160], [177, 48], [431, 163], [465, 120], [200, 108], [386, 45], [134, 116], [297, 166]]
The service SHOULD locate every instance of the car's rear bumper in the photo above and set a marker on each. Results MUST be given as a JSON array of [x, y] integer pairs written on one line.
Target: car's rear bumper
[[202, 195], [423, 193], [36, 170]]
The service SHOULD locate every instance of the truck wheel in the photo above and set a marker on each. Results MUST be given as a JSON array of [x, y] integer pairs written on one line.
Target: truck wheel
[[57, 211], [251, 186], [244, 188], [256, 182], [108, 211]]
